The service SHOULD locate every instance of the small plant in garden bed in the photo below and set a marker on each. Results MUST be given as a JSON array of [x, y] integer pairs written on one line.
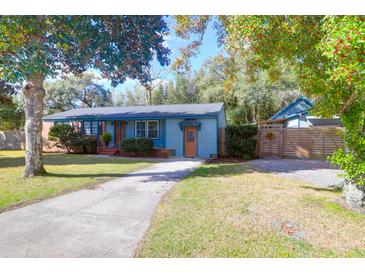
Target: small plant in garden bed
[[107, 138]]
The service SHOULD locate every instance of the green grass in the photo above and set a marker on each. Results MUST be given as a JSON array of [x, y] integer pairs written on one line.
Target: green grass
[[231, 210], [66, 172]]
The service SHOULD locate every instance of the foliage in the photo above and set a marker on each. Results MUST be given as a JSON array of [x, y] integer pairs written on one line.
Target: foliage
[[327, 54], [245, 101], [11, 115], [132, 145], [184, 91], [106, 137], [33, 48], [159, 96], [63, 135], [118, 46], [241, 141], [76, 91], [87, 144]]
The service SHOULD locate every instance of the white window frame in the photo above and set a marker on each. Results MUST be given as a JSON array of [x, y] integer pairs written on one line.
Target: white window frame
[[146, 128], [91, 128]]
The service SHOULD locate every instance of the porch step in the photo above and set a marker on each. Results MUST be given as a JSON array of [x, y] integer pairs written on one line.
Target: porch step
[[108, 150]]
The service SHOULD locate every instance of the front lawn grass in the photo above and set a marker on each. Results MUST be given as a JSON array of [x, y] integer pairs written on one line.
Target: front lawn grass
[[231, 210], [66, 172]]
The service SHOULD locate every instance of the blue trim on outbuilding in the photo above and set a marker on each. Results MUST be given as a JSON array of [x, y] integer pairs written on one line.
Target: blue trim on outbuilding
[[299, 106]]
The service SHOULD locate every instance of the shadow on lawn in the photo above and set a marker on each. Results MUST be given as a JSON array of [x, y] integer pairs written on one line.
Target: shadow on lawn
[[150, 177], [69, 159], [86, 175], [222, 170], [335, 189], [173, 176]]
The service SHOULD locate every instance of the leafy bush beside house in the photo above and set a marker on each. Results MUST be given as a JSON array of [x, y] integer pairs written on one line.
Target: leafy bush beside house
[[85, 144], [136, 145], [63, 135], [241, 141]]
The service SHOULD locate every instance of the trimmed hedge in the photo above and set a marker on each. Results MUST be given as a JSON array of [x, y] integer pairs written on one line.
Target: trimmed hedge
[[133, 145], [241, 141]]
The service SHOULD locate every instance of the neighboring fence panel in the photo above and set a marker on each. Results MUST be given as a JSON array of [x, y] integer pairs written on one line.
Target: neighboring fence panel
[[313, 142], [12, 139]]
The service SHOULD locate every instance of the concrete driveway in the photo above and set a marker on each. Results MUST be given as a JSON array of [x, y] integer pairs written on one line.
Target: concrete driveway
[[108, 221]]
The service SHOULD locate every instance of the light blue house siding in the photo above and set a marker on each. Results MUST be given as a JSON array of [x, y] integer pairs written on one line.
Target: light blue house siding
[[208, 138], [160, 142], [129, 129], [206, 141], [222, 122], [207, 118], [174, 136]]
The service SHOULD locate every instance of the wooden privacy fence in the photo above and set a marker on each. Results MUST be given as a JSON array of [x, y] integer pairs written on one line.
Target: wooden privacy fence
[[12, 139], [312, 142]]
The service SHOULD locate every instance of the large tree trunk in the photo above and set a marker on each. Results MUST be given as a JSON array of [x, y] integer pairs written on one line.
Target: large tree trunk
[[354, 194], [33, 106]]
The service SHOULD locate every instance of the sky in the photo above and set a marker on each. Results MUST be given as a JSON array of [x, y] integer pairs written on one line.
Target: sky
[[208, 49]]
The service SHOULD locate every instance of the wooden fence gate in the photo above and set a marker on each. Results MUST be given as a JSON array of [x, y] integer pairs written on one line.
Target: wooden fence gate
[[312, 142]]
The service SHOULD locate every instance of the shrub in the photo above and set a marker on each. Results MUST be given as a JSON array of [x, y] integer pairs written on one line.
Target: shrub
[[128, 145], [241, 141], [86, 143], [133, 145], [106, 137], [63, 136]]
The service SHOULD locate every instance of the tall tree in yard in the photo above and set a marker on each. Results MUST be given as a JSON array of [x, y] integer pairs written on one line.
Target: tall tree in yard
[[75, 92], [35, 47], [327, 55]]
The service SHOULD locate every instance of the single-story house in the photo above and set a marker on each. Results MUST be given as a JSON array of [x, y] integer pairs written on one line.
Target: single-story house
[[296, 115], [185, 130]]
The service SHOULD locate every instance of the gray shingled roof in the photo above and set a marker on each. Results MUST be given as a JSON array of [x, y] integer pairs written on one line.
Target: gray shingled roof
[[158, 111]]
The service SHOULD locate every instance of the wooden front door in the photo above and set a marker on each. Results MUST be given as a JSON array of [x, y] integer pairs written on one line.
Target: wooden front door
[[119, 131], [190, 142]]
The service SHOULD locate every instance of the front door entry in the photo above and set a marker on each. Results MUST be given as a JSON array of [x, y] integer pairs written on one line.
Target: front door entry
[[190, 142]]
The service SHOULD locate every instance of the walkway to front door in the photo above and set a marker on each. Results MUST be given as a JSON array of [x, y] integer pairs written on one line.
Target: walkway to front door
[[190, 142], [108, 221]]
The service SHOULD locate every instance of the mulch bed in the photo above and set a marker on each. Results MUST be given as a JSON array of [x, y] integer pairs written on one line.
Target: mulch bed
[[225, 160]]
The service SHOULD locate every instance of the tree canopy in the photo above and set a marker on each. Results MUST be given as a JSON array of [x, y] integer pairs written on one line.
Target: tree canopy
[[35, 47], [75, 92], [325, 52], [11, 115], [118, 46]]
